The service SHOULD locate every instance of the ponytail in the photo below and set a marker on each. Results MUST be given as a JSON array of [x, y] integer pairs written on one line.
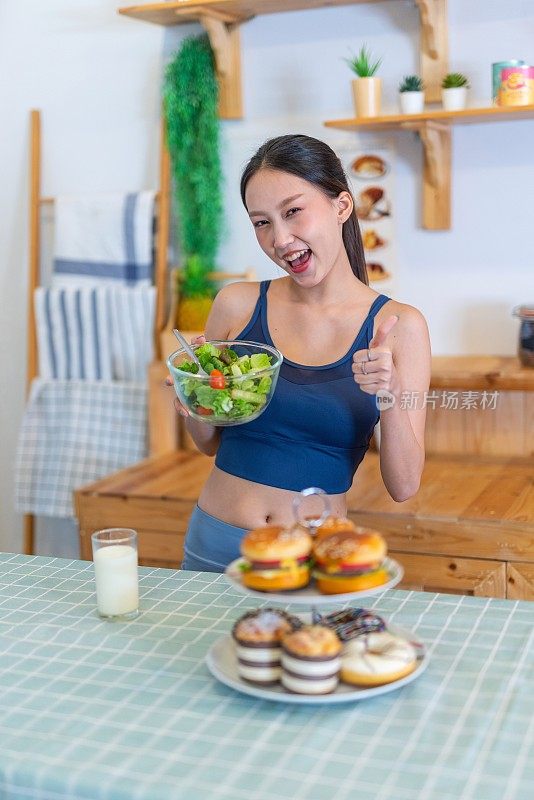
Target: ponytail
[[352, 239]]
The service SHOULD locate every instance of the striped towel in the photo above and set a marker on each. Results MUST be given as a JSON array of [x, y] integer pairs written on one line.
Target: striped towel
[[132, 314], [72, 433], [107, 238], [73, 334], [95, 334]]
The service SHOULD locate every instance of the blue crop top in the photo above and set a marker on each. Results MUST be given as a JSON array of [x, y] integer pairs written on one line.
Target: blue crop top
[[317, 427]]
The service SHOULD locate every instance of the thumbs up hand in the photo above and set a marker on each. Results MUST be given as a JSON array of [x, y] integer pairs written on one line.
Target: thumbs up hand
[[374, 368]]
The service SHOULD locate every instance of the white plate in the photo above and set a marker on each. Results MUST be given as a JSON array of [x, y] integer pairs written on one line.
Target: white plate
[[221, 661], [310, 594]]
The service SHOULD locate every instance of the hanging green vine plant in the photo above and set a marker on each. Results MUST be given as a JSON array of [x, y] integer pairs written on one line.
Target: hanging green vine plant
[[191, 96]]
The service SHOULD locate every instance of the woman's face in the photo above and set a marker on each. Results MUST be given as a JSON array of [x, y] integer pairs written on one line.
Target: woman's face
[[296, 225]]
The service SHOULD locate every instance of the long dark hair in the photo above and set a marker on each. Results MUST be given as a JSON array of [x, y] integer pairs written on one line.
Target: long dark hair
[[315, 162]]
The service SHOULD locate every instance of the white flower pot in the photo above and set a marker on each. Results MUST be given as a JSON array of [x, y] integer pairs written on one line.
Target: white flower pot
[[454, 99], [412, 102]]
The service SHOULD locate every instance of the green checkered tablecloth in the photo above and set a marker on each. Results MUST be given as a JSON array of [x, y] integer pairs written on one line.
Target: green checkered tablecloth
[[109, 711]]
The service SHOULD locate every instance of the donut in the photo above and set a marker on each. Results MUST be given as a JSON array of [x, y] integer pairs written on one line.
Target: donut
[[374, 659], [352, 622]]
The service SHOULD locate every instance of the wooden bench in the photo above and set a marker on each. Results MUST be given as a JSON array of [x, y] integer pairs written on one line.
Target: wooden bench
[[469, 530], [156, 497]]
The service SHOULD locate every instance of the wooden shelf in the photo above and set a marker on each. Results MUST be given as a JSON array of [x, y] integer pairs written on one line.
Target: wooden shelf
[[222, 18], [434, 129], [488, 373], [467, 116], [185, 11]]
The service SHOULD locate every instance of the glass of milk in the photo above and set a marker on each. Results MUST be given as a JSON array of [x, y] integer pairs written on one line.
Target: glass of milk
[[115, 560]]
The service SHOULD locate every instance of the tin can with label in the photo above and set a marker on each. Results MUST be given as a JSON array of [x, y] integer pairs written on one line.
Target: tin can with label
[[517, 86], [496, 70]]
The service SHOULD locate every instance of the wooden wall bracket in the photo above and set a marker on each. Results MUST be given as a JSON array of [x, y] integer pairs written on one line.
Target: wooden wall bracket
[[223, 31], [436, 138], [433, 46]]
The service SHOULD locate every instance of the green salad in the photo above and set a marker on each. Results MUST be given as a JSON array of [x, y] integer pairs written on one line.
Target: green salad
[[234, 389]]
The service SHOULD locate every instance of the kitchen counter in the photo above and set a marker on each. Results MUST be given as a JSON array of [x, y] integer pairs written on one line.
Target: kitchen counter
[[128, 711]]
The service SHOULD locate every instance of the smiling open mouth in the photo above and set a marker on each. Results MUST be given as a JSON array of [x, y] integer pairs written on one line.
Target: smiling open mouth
[[299, 261]]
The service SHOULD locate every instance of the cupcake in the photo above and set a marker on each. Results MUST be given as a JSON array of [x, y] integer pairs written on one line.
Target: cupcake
[[257, 636], [311, 660]]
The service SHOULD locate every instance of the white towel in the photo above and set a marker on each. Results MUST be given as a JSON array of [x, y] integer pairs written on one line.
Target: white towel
[[74, 334], [75, 432], [104, 237]]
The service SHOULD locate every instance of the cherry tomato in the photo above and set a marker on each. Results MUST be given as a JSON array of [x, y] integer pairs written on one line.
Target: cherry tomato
[[217, 379], [204, 412]]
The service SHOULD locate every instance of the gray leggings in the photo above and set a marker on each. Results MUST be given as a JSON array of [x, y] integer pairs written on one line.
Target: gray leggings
[[210, 544]]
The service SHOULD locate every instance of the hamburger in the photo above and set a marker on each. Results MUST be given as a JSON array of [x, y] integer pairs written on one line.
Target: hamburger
[[335, 525], [276, 558], [349, 561]]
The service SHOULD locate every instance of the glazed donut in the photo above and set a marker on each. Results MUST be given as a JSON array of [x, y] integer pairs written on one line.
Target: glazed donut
[[377, 658]]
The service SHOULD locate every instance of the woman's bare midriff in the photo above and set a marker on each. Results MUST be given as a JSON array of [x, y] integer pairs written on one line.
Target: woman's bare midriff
[[251, 505]]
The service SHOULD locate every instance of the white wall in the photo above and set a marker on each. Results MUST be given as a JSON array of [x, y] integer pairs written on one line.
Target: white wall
[[96, 77]]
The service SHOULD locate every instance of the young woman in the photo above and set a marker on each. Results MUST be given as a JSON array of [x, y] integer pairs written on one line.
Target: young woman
[[342, 343]]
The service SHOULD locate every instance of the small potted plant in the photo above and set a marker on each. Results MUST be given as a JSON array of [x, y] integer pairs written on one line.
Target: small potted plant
[[412, 94], [454, 88], [366, 88]]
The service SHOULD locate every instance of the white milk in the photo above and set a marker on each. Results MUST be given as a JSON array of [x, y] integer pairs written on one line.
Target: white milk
[[116, 579]]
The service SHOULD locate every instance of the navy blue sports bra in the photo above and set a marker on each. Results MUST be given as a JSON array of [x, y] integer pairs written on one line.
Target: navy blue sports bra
[[317, 427]]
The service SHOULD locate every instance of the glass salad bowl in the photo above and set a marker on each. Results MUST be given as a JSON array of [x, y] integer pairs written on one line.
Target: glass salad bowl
[[238, 387]]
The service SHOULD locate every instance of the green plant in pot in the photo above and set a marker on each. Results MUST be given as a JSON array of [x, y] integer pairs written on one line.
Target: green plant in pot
[[454, 88], [366, 88], [412, 94], [191, 96]]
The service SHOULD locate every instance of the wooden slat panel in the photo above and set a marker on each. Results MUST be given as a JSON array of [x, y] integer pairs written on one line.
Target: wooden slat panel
[[495, 540], [520, 581], [453, 575], [107, 512], [163, 420], [156, 547], [496, 432], [529, 423], [445, 431], [503, 431]]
